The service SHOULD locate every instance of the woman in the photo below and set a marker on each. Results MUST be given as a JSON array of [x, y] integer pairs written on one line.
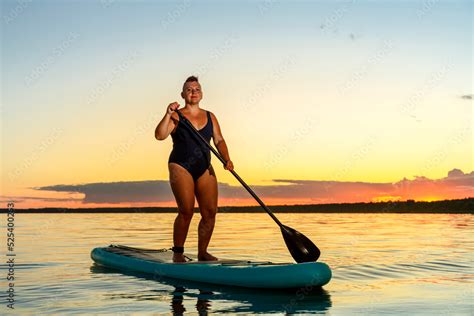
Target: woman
[[190, 169]]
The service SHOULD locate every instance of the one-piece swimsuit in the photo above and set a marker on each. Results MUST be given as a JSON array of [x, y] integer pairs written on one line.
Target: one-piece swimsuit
[[188, 150]]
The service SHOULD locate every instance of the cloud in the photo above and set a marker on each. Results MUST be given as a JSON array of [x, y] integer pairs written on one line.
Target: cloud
[[118, 192], [467, 96], [456, 185], [458, 178]]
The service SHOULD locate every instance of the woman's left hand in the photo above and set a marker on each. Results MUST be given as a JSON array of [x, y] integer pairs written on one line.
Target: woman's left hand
[[229, 165]]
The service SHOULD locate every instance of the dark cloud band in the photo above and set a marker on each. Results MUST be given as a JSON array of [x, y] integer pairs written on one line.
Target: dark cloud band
[[456, 185]]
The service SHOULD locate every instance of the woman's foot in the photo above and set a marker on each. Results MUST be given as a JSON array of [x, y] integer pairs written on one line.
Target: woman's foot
[[178, 257], [206, 257]]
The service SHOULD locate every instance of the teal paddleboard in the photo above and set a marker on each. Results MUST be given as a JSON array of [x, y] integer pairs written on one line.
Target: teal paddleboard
[[224, 272]]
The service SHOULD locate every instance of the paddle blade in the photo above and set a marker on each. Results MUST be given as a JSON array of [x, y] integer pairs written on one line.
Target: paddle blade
[[301, 248]]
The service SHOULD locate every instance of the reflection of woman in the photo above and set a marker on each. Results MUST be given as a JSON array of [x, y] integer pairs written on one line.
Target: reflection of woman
[[202, 305], [190, 169]]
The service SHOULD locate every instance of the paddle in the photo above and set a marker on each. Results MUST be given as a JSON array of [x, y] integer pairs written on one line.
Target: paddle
[[301, 248]]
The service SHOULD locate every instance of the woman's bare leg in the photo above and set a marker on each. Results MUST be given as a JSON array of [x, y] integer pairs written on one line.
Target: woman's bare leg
[[182, 185], [206, 194]]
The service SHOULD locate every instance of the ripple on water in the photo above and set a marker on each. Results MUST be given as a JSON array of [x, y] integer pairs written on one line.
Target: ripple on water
[[399, 270], [29, 265]]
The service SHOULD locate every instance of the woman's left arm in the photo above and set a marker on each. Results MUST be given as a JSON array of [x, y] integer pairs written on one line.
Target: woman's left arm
[[220, 144]]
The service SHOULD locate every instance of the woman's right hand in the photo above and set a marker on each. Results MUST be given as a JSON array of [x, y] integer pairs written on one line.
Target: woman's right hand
[[172, 107]]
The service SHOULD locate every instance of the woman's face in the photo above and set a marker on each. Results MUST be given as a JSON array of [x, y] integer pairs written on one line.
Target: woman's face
[[192, 93]]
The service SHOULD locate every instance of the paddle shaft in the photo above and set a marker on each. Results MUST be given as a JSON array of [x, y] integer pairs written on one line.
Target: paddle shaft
[[196, 132]]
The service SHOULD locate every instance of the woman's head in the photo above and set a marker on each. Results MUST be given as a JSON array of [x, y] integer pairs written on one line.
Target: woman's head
[[192, 93]]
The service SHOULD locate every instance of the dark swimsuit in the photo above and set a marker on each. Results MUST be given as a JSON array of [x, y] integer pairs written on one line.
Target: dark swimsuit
[[188, 151]]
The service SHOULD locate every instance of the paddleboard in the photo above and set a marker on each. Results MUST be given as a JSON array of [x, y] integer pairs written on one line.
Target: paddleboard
[[250, 274]]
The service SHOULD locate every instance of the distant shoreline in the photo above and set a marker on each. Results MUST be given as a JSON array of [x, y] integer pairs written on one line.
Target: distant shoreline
[[459, 206]]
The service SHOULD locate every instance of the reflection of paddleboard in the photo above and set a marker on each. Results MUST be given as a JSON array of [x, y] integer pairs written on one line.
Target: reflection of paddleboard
[[221, 298], [227, 272]]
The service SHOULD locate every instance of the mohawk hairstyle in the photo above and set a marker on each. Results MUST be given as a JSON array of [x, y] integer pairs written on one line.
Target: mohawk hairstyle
[[191, 79]]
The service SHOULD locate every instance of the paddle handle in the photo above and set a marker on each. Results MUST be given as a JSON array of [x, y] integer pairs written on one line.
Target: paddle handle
[[249, 190]]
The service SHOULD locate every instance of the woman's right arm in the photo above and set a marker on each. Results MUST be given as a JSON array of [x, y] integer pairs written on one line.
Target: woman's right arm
[[166, 125]]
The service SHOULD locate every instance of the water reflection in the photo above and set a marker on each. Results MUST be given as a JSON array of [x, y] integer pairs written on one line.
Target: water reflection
[[382, 264], [224, 299]]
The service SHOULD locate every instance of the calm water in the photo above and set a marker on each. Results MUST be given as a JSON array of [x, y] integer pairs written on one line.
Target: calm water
[[382, 264]]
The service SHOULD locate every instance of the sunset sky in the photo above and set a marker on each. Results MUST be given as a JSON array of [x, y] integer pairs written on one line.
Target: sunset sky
[[319, 101]]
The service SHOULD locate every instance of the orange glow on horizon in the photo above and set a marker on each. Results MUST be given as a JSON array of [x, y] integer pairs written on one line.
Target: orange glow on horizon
[[386, 198], [222, 203]]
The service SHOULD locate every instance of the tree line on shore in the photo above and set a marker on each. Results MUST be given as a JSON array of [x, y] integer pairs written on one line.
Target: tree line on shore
[[459, 206]]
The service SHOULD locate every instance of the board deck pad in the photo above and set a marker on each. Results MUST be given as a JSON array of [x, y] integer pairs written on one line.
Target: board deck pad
[[166, 256]]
